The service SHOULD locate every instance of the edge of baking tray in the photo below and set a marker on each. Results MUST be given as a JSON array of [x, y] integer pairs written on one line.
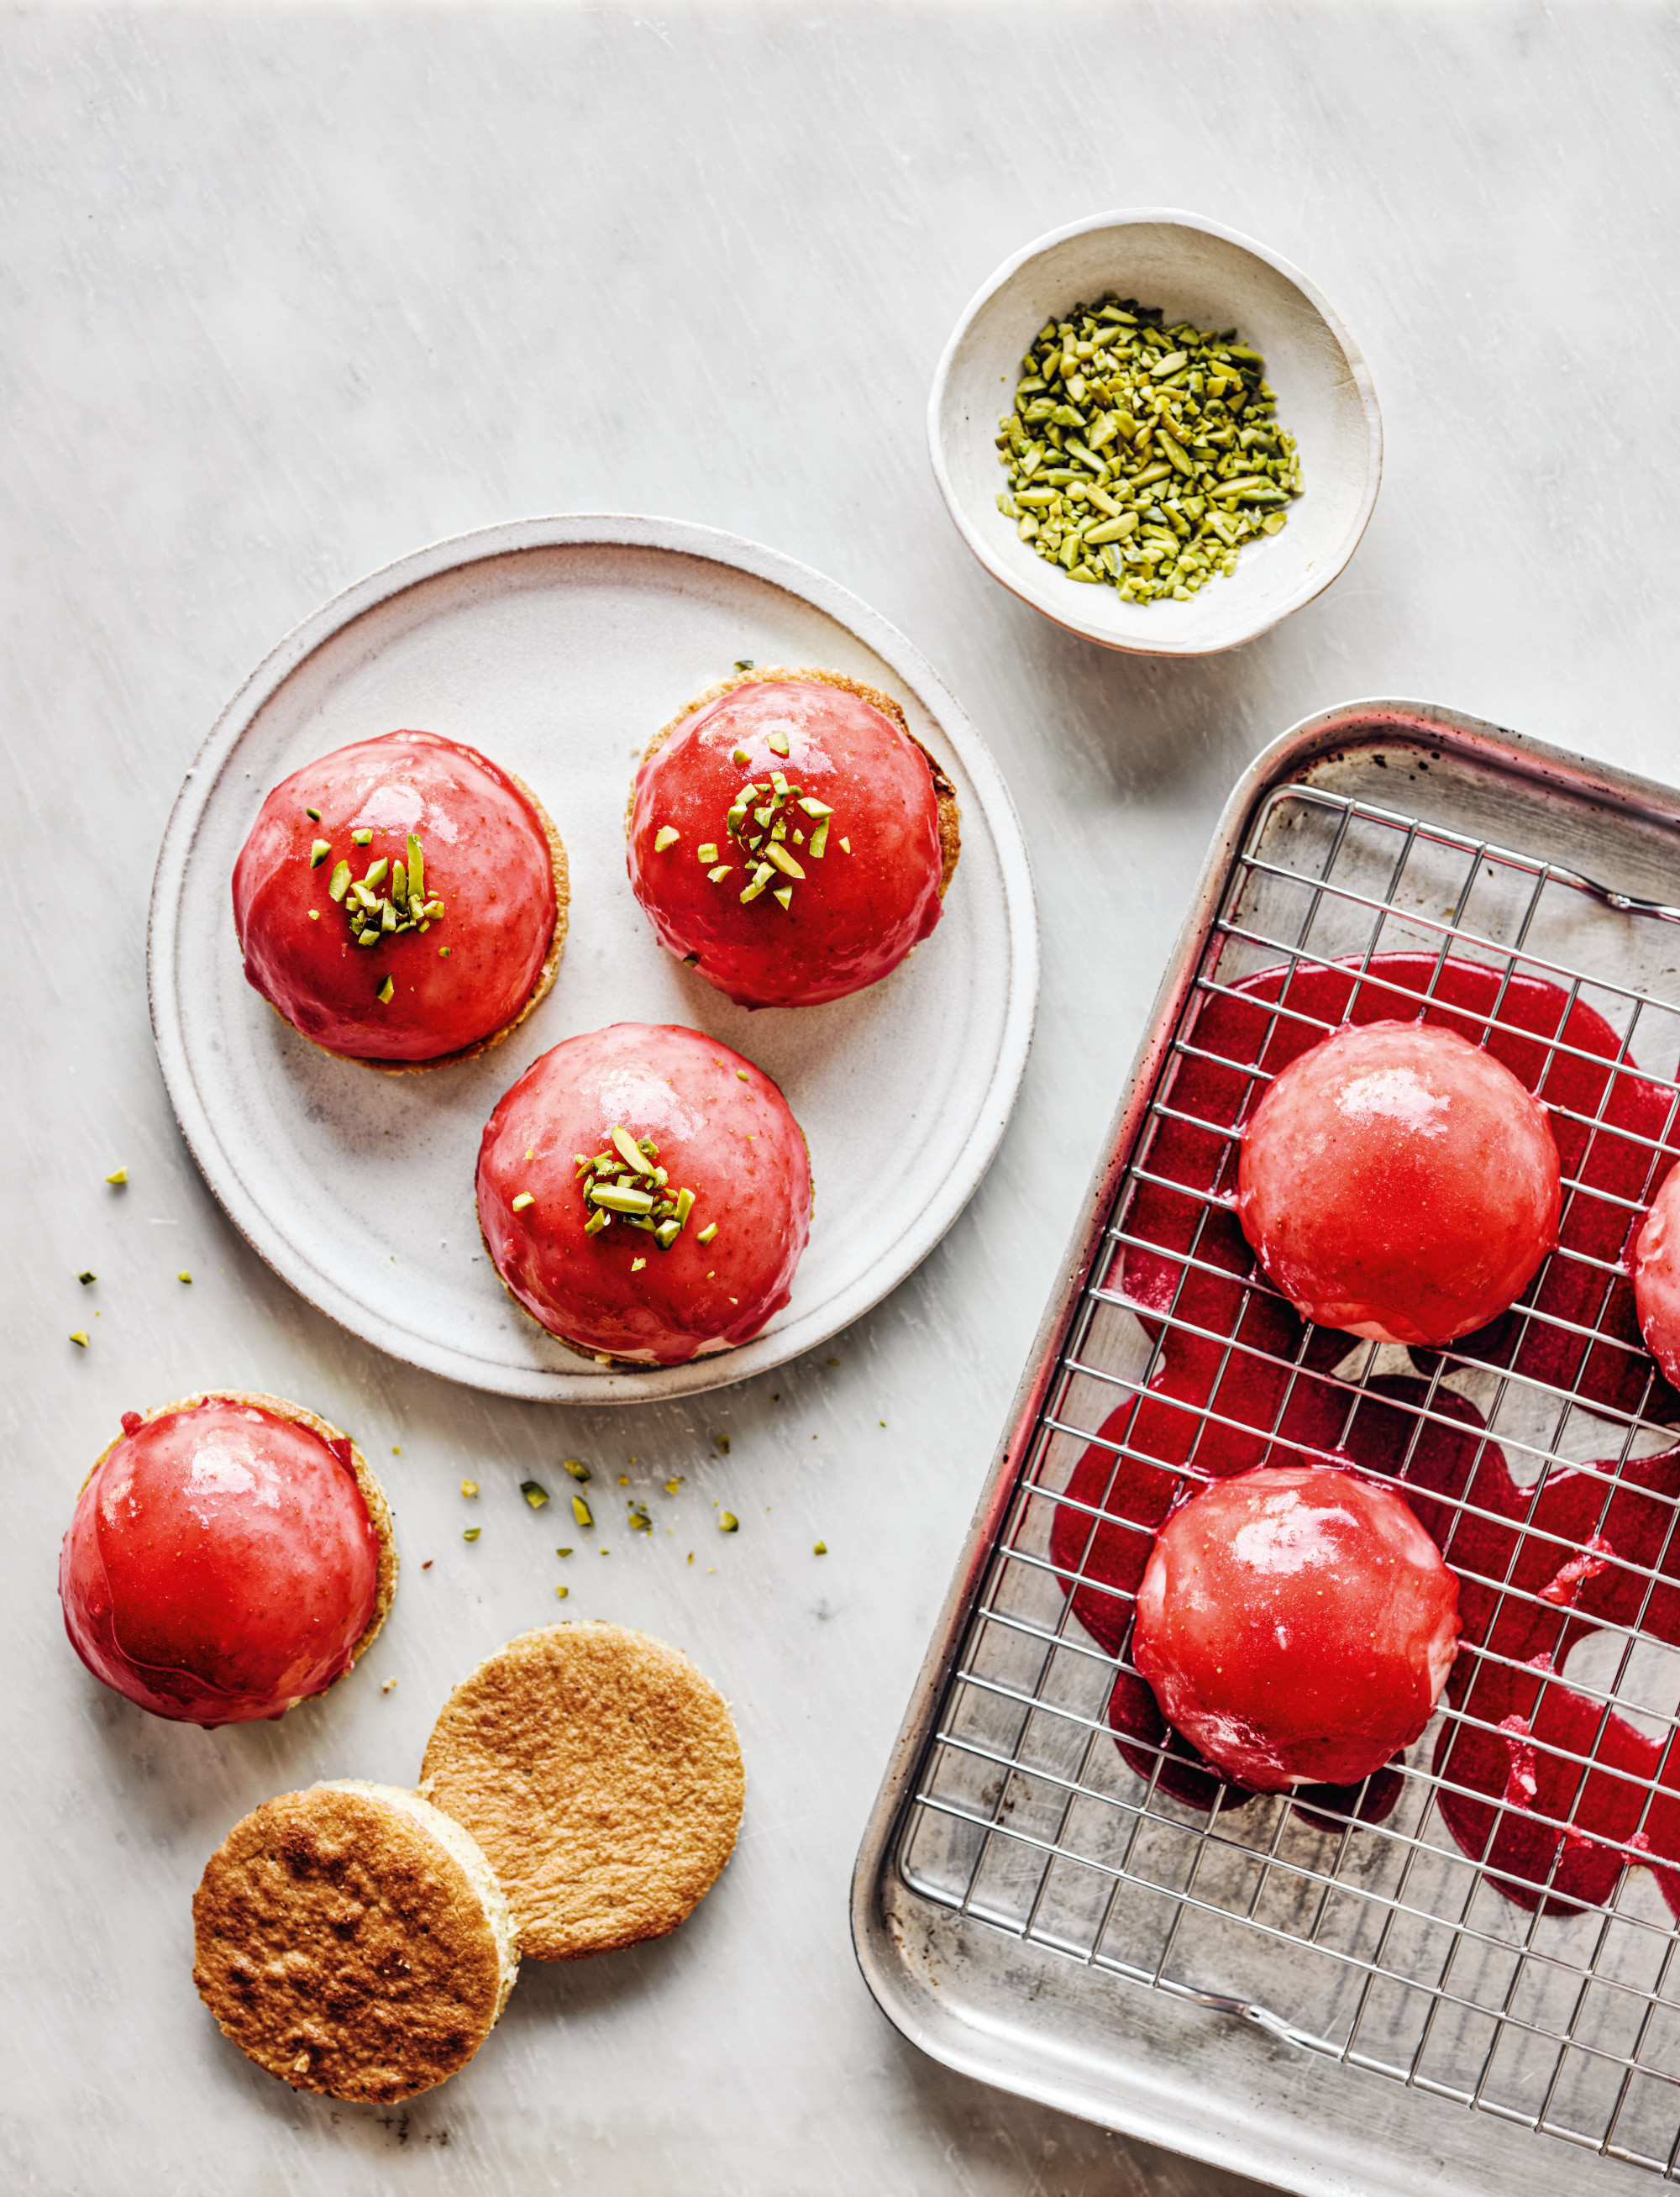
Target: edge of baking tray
[[1313, 2161]]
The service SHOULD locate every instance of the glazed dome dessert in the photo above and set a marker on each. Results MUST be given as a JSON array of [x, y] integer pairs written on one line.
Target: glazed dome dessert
[[1656, 1278], [402, 902], [1296, 1623], [645, 1194], [1399, 1183], [790, 839], [230, 1554]]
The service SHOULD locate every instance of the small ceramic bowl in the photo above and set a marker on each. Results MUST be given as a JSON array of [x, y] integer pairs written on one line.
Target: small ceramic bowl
[[1197, 271]]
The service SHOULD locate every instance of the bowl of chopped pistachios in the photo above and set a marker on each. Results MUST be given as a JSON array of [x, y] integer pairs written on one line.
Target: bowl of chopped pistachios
[[1157, 432]]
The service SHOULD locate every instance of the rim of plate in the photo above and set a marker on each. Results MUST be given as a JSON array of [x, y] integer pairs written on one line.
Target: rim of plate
[[617, 530], [1046, 603]]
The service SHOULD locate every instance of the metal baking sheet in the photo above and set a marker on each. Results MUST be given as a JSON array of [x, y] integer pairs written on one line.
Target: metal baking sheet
[[1316, 2002]]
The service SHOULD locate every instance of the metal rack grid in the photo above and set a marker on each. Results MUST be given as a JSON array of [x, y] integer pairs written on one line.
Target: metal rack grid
[[1382, 1946]]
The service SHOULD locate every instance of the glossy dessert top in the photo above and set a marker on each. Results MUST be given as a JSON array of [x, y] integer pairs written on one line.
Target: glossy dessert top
[[589, 1240], [224, 1562], [401, 900], [1297, 1624], [1399, 1183], [791, 840], [1656, 1278]]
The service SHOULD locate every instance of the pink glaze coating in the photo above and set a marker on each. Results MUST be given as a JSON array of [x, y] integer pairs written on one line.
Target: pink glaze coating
[[856, 914], [1399, 1183], [1656, 1278], [724, 1131], [220, 1565], [1297, 1625], [486, 857]]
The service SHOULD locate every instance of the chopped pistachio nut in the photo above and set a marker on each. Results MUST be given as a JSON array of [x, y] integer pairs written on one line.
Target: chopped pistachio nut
[[523, 1200], [636, 1264], [640, 1523], [89, 1276], [375, 915], [627, 1180], [470, 1532], [319, 852], [386, 991], [820, 1549], [534, 1492], [79, 1335], [580, 1511], [563, 1553], [708, 853], [845, 846], [119, 1176], [469, 1487], [576, 1467], [562, 1593], [314, 815], [740, 755], [727, 1522], [666, 836], [1141, 457], [183, 1276], [743, 664], [776, 742], [707, 1233], [363, 837]]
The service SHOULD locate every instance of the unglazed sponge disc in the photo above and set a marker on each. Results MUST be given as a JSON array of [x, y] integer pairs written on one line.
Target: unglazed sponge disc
[[600, 1772]]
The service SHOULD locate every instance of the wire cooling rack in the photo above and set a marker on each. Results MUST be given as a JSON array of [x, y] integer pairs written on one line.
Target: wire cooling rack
[[1384, 1944]]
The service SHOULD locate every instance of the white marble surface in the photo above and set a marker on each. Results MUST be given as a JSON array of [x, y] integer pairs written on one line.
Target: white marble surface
[[289, 292]]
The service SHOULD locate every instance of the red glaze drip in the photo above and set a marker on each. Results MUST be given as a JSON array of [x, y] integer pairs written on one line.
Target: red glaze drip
[[723, 1130], [487, 859], [855, 915], [220, 1565], [1562, 1544]]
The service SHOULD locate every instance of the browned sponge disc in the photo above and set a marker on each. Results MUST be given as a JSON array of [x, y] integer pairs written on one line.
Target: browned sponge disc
[[600, 1772], [352, 1939]]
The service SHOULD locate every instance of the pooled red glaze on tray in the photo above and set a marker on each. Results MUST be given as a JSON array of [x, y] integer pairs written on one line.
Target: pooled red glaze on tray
[[1577, 1547], [1399, 1183], [868, 896], [220, 1565], [723, 1132], [486, 859], [1296, 1623]]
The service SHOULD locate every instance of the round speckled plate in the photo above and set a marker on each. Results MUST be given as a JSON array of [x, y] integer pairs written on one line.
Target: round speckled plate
[[557, 645]]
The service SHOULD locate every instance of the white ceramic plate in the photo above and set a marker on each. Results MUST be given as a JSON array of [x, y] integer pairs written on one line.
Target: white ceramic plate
[[558, 647], [1196, 271]]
